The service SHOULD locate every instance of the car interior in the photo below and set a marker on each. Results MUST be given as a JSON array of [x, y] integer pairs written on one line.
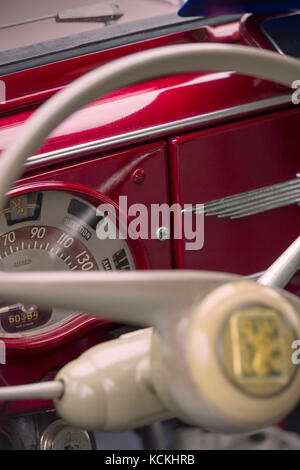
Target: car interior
[[149, 228]]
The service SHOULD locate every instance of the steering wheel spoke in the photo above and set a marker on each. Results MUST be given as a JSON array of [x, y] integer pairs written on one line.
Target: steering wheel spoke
[[146, 298]]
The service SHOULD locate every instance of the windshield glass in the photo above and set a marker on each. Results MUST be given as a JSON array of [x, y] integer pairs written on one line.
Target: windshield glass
[[40, 18]]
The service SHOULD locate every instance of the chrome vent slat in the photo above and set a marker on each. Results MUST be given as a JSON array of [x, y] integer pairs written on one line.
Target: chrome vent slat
[[253, 202], [276, 199], [256, 195], [267, 207]]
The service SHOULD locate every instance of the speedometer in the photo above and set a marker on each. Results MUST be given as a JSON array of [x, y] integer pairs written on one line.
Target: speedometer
[[52, 230]]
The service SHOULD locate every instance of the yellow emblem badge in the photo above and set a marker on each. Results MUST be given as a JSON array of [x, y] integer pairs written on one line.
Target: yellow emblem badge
[[256, 350]]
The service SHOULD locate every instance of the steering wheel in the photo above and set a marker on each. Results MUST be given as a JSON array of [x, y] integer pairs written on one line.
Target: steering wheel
[[193, 362]]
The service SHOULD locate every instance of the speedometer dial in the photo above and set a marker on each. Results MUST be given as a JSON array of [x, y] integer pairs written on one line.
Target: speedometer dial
[[46, 231]]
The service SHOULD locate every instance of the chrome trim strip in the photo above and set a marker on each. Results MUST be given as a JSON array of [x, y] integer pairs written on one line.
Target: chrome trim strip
[[156, 131], [252, 202]]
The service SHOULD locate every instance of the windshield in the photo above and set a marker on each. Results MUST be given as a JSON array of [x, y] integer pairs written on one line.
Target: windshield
[[40, 18]]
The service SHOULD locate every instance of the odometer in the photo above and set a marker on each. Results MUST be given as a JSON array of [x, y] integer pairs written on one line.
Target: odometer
[[17, 318], [52, 230]]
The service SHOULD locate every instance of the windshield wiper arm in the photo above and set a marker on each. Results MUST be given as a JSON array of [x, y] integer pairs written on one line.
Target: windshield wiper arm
[[98, 13]]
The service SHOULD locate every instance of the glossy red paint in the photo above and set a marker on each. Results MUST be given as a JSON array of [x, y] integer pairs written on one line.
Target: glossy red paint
[[251, 33], [140, 106], [35, 85], [145, 105]]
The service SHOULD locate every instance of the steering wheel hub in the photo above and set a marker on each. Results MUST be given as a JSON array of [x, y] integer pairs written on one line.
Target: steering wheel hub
[[255, 345]]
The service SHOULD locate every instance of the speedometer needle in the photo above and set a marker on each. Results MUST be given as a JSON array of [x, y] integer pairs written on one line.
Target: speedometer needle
[[9, 308]]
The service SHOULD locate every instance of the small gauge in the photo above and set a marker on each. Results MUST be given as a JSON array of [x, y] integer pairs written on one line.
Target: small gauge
[[18, 318], [46, 231], [23, 208], [60, 436]]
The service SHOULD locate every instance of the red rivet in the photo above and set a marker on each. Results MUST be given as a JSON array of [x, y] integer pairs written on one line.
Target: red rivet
[[139, 176]]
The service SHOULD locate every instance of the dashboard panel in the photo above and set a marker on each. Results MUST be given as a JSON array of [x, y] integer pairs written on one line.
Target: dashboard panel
[[253, 183], [58, 205]]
